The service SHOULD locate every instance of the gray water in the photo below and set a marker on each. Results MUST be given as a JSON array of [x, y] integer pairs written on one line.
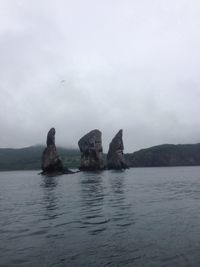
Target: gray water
[[138, 217]]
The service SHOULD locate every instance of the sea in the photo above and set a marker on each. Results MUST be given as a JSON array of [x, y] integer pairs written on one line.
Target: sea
[[137, 217]]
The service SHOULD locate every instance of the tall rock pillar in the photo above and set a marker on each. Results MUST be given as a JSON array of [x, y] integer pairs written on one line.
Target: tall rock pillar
[[91, 149], [115, 156], [51, 161]]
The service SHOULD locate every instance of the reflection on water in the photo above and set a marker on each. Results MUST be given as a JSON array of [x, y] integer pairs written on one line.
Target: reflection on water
[[139, 217], [117, 183], [123, 215], [91, 190], [49, 182], [92, 193], [50, 197]]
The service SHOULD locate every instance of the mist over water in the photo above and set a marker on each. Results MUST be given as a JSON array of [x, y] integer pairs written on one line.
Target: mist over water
[[137, 217]]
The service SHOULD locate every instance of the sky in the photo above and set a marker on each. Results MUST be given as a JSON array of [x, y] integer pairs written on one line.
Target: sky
[[108, 65]]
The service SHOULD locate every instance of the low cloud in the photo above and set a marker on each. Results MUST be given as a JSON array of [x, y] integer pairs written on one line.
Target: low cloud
[[106, 65]]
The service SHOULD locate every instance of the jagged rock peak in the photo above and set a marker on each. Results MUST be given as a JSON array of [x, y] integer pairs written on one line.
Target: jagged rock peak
[[51, 161], [115, 157], [91, 149], [51, 137]]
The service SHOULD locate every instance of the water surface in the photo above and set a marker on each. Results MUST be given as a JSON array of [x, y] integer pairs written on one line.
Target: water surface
[[138, 217]]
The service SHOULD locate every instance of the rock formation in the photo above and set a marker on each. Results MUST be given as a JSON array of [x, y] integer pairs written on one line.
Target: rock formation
[[51, 161], [51, 137], [115, 157], [91, 149]]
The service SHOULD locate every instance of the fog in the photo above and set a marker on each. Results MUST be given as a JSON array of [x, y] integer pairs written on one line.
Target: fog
[[110, 64]]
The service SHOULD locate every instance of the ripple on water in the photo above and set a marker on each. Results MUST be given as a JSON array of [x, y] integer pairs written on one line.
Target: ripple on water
[[141, 217]]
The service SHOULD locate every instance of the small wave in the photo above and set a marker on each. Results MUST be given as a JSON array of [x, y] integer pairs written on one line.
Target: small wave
[[95, 223]]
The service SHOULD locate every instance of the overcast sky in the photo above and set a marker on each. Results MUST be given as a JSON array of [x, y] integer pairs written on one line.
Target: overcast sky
[[107, 64]]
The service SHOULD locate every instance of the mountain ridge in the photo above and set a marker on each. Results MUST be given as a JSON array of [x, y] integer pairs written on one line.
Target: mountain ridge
[[29, 158], [165, 155]]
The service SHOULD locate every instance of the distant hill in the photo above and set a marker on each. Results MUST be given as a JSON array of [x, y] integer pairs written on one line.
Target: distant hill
[[165, 155], [29, 158]]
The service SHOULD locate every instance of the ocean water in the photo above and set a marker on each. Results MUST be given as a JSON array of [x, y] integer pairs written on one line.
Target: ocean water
[[137, 217]]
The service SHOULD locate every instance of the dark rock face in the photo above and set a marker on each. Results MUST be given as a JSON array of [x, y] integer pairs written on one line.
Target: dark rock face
[[91, 149], [51, 161], [115, 157], [51, 137]]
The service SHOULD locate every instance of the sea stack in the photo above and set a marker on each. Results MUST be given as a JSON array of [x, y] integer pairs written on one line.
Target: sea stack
[[51, 161], [115, 157], [91, 149]]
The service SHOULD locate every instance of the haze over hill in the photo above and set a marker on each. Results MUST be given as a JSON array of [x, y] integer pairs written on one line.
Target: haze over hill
[[29, 158]]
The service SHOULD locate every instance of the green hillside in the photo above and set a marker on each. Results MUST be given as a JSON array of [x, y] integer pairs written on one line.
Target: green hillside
[[166, 155], [29, 158]]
